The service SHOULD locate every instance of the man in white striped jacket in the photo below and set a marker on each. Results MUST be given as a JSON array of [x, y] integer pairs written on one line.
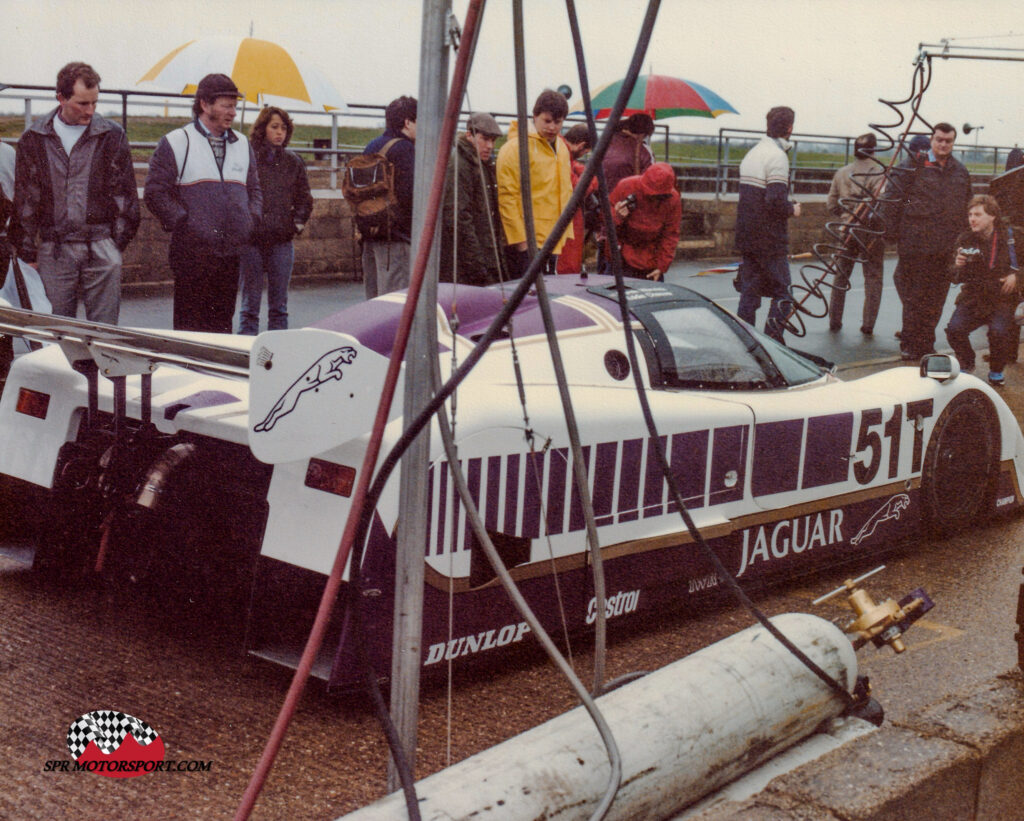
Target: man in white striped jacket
[[762, 235]]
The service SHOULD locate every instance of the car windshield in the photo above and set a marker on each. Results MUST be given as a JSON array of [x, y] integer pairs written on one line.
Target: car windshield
[[700, 346]]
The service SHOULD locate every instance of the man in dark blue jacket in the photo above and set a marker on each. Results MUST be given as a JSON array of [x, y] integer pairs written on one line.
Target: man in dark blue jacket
[[925, 211], [386, 263], [203, 186], [762, 235]]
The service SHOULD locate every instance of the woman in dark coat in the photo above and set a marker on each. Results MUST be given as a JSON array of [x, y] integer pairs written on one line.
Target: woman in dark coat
[[287, 205]]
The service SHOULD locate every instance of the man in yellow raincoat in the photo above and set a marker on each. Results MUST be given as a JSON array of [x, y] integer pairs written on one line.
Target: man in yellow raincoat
[[550, 181]]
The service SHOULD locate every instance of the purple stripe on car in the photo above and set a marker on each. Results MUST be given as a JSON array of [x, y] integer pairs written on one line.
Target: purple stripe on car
[[689, 463], [776, 456], [511, 493], [654, 481], [493, 492], [577, 521], [728, 464], [557, 471], [200, 399], [629, 479], [473, 468], [532, 484], [604, 482], [826, 455]]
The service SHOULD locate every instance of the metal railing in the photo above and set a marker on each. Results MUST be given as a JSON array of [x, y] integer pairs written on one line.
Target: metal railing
[[718, 174]]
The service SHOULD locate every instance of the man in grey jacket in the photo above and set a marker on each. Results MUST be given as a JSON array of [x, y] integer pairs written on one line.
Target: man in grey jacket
[[75, 200], [203, 186], [854, 188]]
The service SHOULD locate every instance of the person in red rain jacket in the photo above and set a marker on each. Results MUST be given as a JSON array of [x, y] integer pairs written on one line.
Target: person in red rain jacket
[[570, 261], [647, 212]]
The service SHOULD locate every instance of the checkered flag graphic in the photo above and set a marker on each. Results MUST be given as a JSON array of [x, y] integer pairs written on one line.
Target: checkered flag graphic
[[108, 729]]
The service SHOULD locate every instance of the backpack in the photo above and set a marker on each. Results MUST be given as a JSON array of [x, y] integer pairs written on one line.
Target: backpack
[[369, 186]]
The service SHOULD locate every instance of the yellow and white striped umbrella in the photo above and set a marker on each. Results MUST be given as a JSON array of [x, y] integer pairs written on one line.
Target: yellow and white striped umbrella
[[263, 71]]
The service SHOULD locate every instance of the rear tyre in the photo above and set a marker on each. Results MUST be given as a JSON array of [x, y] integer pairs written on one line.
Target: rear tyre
[[961, 464]]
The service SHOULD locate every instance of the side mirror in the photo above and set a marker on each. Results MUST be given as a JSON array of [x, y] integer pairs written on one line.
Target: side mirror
[[940, 366]]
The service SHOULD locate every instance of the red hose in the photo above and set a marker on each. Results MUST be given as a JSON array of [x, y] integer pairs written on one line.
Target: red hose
[[316, 634]]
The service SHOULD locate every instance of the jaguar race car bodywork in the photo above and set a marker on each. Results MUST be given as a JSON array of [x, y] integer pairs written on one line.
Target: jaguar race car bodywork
[[231, 461]]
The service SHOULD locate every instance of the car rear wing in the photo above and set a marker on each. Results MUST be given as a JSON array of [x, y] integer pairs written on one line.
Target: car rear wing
[[118, 351]]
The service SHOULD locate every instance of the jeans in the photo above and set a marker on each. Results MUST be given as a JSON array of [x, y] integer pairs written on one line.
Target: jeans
[[765, 276], [1002, 337], [270, 264]]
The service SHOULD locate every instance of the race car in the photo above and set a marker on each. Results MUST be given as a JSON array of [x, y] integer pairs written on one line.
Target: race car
[[227, 464]]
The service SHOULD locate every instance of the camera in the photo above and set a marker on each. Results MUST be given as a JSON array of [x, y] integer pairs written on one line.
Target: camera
[[630, 201], [970, 253]]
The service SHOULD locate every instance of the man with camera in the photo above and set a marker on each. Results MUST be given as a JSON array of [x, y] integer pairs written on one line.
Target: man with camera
[[986, 264], [647, 212]]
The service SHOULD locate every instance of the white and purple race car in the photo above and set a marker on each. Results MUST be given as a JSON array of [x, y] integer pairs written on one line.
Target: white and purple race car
[[227, 464]]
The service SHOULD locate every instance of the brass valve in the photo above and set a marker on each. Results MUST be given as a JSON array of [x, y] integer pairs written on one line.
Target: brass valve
[[882, 623]]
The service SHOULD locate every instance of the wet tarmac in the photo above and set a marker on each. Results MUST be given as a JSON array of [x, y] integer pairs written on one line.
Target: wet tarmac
[[313, 300]]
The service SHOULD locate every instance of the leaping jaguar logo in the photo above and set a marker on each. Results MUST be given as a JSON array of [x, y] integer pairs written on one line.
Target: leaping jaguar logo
[[326, 368], [890, 510]]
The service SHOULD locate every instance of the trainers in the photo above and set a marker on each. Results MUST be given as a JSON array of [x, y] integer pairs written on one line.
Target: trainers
[[996, 378]]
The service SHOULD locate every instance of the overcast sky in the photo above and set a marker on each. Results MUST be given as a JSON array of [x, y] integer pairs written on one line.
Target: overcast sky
[[829, 60]]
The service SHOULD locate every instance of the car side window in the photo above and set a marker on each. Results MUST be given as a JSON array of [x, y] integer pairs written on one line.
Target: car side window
[[697, 348]]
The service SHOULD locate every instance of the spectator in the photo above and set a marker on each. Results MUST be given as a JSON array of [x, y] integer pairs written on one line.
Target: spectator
[[472, 243], [1014, 159], [647, 211], [287, 205], [577, 140], [917, 149], [75, 199], [7, 160], [203, 186], [550, 182], [628, 154], [386, 263], [986, 264], [762, 235], [852, 186], [924, 211]]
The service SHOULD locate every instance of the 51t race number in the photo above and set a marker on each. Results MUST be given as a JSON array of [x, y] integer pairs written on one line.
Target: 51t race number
[[874, 426]]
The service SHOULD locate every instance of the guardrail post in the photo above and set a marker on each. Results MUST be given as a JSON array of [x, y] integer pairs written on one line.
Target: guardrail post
[[334, 150], [28, 112]]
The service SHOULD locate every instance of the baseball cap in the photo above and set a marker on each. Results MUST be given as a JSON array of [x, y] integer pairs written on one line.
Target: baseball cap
[[481, 122], [213, 86]]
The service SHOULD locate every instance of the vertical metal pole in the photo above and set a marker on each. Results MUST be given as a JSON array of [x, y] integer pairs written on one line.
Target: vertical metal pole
[[28, 112], [334, 151], [413, 501]]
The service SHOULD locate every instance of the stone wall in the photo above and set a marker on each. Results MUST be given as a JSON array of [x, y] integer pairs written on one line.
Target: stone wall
[[327, 248]]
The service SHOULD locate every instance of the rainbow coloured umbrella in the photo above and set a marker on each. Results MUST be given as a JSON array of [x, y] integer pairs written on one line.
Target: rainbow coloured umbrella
[[263, 71], [661, 97]]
